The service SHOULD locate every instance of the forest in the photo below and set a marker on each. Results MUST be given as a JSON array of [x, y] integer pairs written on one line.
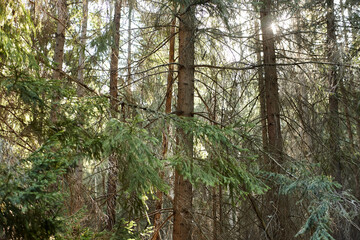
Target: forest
[[180, 119]]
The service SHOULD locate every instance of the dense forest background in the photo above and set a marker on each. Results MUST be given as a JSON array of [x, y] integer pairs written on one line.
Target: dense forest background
[[180, 119]]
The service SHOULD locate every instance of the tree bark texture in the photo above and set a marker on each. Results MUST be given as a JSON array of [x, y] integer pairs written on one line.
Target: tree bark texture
[[277, 205], [128, 95], [80, 90], [113, 165], [165, 143], [76, 198], [262, 98], [182, 229], [334, 121], [59, 52]]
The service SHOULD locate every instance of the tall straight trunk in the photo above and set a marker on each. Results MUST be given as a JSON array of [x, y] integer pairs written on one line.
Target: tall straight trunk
[[84, 22], [169, 90], [263, 117], [216, 197], [113, 166], [76, 199], [128, 79], [334, 120], [59, 53], [182, 229], [283, 229], [345, 29], [261, 85], [358, 128], [303, 108], [342, 85]]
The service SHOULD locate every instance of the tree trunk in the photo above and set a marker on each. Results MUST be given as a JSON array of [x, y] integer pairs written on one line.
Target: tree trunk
[[80, 90], [303, 99], [113, 166], [216, 197], [76, 199], [261, 84], [334, 121], [342, 86], [281, 211], [169, 90], [182, 229], [128, 95], [263, 117], [59, 53]]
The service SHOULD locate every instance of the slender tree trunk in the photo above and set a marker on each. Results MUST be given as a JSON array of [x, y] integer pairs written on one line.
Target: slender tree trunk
[[129, 54], [342, 85], [59, 53], [263, 117], [262, 98], [80, 90], [334, 121], [128, 80], [281, 212], [214, 214], [169, 90], [113, 166], [182, 229], [76, 199], [358, 127], [303, 107], [216, 198], [345, 30]]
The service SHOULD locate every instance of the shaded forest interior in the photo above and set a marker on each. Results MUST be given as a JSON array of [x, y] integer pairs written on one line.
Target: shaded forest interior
[[180, 119]]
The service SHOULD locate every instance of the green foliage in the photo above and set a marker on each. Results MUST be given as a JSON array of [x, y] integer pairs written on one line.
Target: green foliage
[[226, 164], [138, 164], [30, 196], [126, 230], [15, 32], [72, 229], [320, 190], [219, 8], [324, 202], [102, 41]]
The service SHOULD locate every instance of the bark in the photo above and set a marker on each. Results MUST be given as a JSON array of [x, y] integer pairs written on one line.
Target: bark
[[216, 197], [263, 117], [334, 120], [80, 90], [358, 128], [271, 84], [303, 99], [262, 99], [342, 87], [169, 90], [345, 31], [217, 213], [113, 166], [128, 95], [128, 80], [182, 229], [76, 198], [282, 230], [59, 53], [214, 214], [355, 233]]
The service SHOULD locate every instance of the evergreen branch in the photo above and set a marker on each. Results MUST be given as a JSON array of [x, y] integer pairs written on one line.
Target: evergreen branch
[[277, 64]]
